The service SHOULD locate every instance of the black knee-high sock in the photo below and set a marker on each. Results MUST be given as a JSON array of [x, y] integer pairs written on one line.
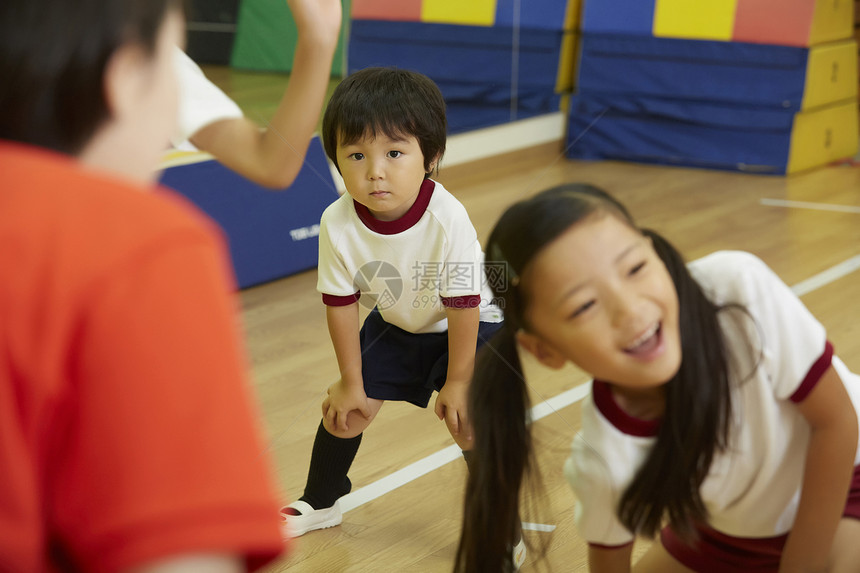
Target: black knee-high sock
[[330, 461]]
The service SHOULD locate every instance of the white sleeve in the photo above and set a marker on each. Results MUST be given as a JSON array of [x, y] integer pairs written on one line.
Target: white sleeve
[[597, 497], [794, 345], [200, 101], [463, 274], [333, 275]]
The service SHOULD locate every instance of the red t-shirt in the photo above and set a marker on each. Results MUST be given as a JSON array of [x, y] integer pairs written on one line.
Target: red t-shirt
[[127, 428]]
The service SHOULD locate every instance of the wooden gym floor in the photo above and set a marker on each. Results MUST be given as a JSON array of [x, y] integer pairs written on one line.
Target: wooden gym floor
[[414, 527]]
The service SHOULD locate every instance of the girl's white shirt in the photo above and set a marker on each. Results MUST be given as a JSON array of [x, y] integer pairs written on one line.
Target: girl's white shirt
[[753, 488]]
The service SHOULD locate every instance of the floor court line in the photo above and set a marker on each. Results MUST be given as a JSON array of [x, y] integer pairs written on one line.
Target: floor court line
[[808, 205], [827, 276], [436, 460], [538, 527]]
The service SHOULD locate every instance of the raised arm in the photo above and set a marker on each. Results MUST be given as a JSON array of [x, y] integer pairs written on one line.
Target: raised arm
[[273, 157]]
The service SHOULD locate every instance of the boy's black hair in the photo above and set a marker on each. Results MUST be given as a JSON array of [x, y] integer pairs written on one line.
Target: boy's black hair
[[53, 55], [389, 101], [695, 423]]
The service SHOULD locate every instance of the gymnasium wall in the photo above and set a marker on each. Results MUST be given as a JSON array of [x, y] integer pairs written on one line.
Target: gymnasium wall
[[494, 60], [760, 86]]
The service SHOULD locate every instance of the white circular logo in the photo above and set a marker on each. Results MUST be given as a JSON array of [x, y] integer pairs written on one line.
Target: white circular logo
[[380, 284]]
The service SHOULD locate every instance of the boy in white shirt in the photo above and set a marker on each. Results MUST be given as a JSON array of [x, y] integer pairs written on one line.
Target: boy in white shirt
[[403, 241]]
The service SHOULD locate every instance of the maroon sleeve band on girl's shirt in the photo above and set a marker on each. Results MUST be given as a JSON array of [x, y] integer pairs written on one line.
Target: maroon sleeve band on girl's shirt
[[333, 300], [467, 301], [814, 375]]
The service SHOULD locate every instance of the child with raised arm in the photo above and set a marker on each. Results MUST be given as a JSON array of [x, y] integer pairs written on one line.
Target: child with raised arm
[[719, 417], [402, 244], [273, 156]]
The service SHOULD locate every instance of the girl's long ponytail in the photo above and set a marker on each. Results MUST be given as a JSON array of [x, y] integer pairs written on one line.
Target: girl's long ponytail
[[695, 425], [503, 455], [499, 407]]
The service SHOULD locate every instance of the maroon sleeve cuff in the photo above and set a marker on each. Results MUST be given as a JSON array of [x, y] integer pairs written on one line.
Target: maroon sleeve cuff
[[334, 300], [467, 301], [814, 375]]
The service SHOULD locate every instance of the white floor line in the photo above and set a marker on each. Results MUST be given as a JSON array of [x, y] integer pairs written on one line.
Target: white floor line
[[435, 461], [401, 477], [807, 205], [538, 527], [828, 276], [560, 401]]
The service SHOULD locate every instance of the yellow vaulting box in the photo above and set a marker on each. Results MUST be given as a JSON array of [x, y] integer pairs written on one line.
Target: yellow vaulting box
[[792, 22], [567, 63], [471, 13], [780, 22], [831, 20], [695, 19], [822, 135], [831, 74]]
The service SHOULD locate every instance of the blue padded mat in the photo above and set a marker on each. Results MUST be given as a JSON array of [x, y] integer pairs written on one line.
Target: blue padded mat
[[676, 132], [694, 69], [618, 16], [539, 14], [465, 116], [456, 53], [271, 234], [528, 98], [471, 65]]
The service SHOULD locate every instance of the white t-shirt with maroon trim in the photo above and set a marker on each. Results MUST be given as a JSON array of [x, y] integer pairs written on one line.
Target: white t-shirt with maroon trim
[[200, 101], [412, 268], [753, 488]]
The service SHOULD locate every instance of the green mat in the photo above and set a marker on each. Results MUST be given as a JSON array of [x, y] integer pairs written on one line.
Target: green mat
[[266, 38]]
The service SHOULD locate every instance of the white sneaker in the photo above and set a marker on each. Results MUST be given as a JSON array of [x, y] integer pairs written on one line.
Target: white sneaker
[[309, 519], [519, 554]]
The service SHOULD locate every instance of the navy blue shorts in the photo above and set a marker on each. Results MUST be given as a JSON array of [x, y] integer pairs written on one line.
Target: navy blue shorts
[[404, 366]]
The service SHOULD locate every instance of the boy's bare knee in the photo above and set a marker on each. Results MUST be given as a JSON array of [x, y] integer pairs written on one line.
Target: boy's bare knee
[[353, 424], [355, 421]]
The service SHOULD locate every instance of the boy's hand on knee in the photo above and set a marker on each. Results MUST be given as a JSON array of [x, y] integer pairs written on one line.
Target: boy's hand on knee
[[451, 406], [342, 399]]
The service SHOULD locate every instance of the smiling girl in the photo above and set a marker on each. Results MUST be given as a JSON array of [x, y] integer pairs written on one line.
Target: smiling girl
[[719, 417]]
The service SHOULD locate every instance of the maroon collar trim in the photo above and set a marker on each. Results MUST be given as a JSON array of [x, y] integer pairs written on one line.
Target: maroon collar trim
[[606, 404], [412, 216]]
